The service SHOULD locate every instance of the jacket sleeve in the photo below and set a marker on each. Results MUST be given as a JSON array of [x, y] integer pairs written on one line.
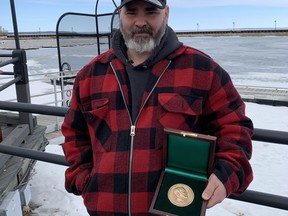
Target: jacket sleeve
[[77, 145], [226, 119]]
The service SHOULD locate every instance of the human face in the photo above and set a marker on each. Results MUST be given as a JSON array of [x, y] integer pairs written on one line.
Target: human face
[[143, 25]]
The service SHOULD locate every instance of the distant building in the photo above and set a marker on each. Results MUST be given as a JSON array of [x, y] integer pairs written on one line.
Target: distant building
[[3, 32]]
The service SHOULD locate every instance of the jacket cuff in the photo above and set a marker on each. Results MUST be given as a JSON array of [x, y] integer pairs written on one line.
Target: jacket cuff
[[228, 177]]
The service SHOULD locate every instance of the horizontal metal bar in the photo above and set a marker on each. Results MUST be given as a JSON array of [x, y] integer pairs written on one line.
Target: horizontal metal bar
[[264, 199], [7, 73], [272, 102], [6, 55], [34, 154], [272, 136], [6, 85], [263, 135], [10, 61], [33, 108]]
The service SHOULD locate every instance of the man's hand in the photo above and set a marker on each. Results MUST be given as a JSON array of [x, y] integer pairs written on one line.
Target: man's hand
[[215, 191]]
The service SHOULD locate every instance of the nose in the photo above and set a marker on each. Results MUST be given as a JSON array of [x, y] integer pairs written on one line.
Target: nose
[[140, 21]]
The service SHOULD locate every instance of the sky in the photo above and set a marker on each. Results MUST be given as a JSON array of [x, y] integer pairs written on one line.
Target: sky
[[191, 15]]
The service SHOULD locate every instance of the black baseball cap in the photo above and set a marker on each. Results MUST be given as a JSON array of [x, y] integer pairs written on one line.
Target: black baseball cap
[[157, 3]]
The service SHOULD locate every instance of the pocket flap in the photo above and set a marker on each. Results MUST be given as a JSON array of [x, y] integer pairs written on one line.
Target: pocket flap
[[96, 108], [177, 103]]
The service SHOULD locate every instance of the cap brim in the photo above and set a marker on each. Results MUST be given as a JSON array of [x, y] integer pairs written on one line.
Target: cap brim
[[153, 2]]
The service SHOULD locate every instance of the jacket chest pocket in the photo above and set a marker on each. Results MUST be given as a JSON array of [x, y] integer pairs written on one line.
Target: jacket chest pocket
[[96, 111], [179, 111], [96, 117]]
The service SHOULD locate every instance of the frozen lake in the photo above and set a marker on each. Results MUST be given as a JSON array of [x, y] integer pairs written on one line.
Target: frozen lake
[[260, 61]]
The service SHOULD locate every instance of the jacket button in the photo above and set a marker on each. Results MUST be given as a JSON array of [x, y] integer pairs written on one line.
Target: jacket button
[[90, 116]]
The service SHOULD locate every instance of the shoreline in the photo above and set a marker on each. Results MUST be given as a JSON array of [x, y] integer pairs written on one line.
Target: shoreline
[[233, 34], [28, 43], [31, 43]]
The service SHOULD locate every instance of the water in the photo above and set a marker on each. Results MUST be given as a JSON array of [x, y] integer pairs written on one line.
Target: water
[[260, 61], [253, 61]]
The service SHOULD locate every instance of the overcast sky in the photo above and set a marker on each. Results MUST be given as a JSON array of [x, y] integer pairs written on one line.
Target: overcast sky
[[42, 15]]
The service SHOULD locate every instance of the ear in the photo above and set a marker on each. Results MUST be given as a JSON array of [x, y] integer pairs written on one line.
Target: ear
[[120, 12], [166, 13]]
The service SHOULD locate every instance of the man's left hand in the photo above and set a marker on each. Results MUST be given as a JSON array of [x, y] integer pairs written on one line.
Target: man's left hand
[[215, 191]]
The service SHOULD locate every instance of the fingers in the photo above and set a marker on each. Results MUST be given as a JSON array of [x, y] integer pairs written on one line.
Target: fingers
[[215, 191]]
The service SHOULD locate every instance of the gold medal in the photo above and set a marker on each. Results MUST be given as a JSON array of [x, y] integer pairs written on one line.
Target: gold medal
[[180, 195]]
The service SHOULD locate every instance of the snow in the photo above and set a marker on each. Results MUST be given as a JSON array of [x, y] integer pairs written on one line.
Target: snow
[[268, 162]]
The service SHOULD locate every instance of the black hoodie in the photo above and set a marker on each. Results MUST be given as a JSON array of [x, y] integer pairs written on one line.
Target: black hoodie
[[138, 75]]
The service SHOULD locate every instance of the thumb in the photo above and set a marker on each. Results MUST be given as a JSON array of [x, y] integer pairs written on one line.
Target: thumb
[[214, 192], [209, 191]]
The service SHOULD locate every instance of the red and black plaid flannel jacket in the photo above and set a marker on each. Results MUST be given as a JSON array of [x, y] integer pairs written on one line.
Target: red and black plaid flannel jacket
[[117, 170]]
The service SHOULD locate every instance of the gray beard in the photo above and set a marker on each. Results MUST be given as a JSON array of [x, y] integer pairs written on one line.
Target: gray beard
[[143, 44]]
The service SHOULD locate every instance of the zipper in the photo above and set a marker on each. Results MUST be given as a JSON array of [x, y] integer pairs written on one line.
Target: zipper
[[132, 134], [133, 130]]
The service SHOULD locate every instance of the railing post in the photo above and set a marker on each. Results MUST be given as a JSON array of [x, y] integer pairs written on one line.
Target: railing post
[[57, 127], [22, 86], [1, 136]]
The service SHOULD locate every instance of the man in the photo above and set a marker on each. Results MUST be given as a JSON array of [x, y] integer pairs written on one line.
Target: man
[[123, 99]]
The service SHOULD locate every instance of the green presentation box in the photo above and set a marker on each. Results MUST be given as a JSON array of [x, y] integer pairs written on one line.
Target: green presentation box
[[188, 161]]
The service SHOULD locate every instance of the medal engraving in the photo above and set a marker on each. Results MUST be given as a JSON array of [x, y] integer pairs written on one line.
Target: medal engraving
[[180, 195]]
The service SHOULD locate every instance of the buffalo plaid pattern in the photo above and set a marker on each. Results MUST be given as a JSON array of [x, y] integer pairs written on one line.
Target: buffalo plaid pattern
[[187, 90]]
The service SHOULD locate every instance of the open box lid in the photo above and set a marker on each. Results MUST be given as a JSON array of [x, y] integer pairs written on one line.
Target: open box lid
[[189, 152]]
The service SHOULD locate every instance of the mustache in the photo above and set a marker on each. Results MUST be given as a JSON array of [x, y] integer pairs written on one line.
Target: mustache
[[145, 29]]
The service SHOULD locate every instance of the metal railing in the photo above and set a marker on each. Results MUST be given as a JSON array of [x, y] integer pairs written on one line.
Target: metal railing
[[55, 93]]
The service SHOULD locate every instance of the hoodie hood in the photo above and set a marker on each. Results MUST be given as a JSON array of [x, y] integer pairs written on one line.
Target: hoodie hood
[[168, 44]]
